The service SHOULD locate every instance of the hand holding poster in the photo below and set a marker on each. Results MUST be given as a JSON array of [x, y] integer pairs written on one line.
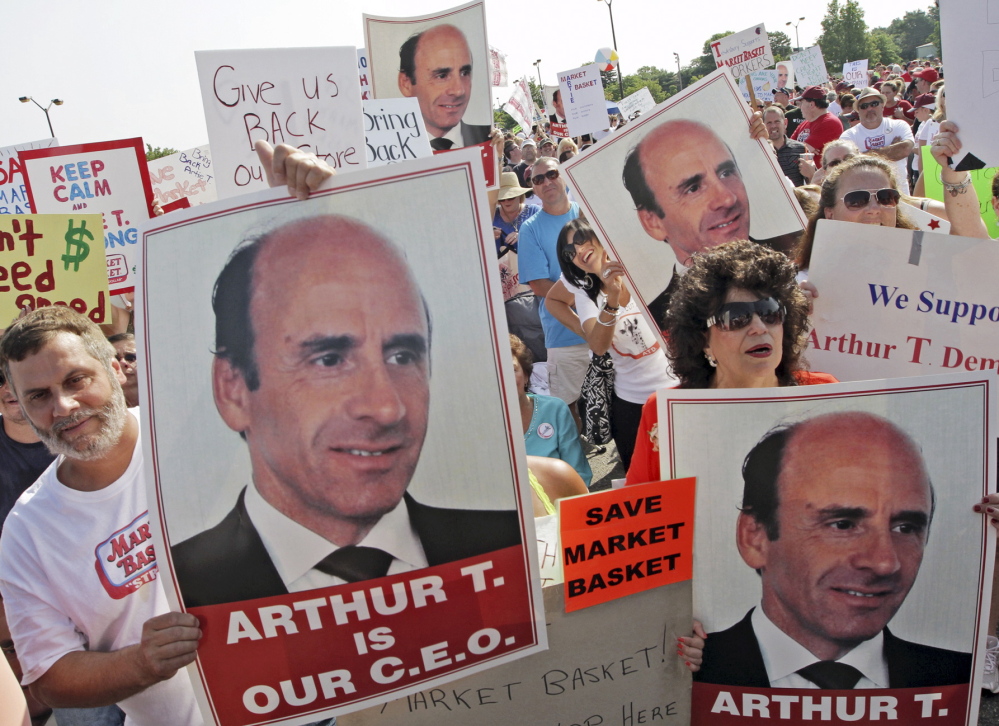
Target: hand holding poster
[[309, 98], [744, 52], [855, 72], [809, 67], [581, 93], [184, 175], [13, 194], [110, 178], [981, 182], [818, 540], [52, 259]]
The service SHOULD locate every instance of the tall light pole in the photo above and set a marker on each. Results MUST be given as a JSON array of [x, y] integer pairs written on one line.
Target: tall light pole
[[45, 109], [796, 41], [541, 86], [679, 76], [620, 82]]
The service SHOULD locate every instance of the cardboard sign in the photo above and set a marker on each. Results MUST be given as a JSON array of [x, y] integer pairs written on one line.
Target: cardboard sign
[[13, 194], [969, 35], [809, 67], [744, 52], [184, 175], [53, 259], [521, 106], [855, 72], [471, 600], [639, 102], [921, 303], [924, 220], [393, 131], [612, 664], [582, 93], [882, 580], [497, 64], [981, 180], [309, 98], [785, 75], [362, 73], [764, 85], [549, 561], [622, 541], [110, 178]]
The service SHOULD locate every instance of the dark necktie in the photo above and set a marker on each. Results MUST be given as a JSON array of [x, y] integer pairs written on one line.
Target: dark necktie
[[832, 675], [353, 564], [441, 144]]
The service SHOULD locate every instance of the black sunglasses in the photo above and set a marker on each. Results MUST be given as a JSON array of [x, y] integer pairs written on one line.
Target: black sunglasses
[[869, 104], [578, 240], [862, 197], [540, 178], [128, 357], [737, 315]]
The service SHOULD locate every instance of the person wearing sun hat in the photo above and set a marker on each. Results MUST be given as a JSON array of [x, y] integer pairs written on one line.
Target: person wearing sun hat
[[888, 138], [511, 212]]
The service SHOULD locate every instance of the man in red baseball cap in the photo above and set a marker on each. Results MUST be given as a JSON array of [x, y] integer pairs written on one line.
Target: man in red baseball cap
[[925, 78], [820, 126]]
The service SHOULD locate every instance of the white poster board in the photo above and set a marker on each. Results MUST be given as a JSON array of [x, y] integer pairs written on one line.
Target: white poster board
[[189, 174], [393, 129], [855, 72], [969, 39], [636, 104], [785, 74], [582, 92], [809, 67], [497, 65], [764, 85], [521, 105], [309, 98], [744, 52], [13, 193]]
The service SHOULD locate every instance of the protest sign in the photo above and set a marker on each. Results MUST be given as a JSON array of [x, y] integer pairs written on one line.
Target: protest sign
[[862, 554], [785, 75], [639, 102], [393, 131], [184, 175], [924, 220], [619, 542], [743, 52], [309, 98], [660, 147], [362, 73], [52, 259], [969, 36], [109, 178], [550, 564], [374, 436], [521, 105], [981, 180], [614, 663], [555, 112], [497, 64], [809, 67], [921, 303], [764, 85], [581, 92], [855, 72], [13, 194]]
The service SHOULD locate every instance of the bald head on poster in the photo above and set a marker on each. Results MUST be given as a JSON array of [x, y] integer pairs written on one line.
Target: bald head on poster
[[835, 519]]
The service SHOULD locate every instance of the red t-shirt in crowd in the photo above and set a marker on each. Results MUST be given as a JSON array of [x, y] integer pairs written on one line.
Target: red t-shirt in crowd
[[819, 132], [889, 111], [645, 460]]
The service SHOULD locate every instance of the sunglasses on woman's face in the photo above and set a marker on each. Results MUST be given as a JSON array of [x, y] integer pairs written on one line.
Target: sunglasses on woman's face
[[862, 197], [737, 315], [572, 248]]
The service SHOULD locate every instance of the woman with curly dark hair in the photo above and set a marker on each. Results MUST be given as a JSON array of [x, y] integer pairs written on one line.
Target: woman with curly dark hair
[[736, 320]]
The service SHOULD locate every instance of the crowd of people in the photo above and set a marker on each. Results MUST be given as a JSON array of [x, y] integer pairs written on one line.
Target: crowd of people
[[736, 316]]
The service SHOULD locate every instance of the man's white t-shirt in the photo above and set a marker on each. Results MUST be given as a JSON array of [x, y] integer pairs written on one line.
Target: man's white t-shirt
[[78, 572], [927, 130], [890, 128]]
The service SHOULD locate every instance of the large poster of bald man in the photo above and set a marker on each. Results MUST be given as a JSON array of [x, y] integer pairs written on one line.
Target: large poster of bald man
[[442, 60], [840, 573], [684, 178], [328, 402]]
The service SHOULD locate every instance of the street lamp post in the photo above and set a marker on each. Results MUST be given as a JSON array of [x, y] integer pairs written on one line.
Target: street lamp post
[[45, 109], [620, 81], [541, 86], [797, 42], [679, 75]]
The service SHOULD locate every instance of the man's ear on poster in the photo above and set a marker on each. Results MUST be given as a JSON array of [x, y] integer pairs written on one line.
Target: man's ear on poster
[[232, 395], [752, 541]]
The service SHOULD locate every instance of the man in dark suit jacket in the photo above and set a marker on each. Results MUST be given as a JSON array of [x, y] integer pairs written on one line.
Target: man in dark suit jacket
[[835, 517], [332, 399], [229, 562]]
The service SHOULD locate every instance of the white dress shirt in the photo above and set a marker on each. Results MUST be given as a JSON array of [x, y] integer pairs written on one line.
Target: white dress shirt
[[296, 550]]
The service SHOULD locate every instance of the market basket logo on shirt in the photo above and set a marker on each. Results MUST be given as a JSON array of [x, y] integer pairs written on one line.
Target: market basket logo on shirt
[[875, 142], [126, 560]]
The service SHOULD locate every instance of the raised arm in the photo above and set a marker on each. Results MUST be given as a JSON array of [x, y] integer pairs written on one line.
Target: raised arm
[[960, 198]]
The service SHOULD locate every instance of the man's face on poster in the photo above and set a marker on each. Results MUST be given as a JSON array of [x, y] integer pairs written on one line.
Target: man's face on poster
[[557, 103], [442, 78], [782, 75], [697, 185], [853, 516], [337, 423]]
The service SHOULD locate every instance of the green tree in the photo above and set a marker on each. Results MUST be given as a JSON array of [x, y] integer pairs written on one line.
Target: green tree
[[934, 38], [911, 30], [157, 152], [883, 49], [844, 34], [780, 44], [503, 120]]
